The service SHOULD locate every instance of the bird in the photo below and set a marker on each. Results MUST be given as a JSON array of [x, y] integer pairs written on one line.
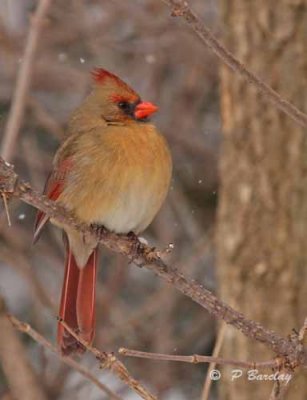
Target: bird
[[113, 169]]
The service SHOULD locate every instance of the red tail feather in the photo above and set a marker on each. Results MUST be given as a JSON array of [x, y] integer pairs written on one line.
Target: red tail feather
[[86, 298], [77, 306]]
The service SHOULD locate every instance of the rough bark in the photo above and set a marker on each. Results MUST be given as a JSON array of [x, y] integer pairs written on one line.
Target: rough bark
[[262, 217]]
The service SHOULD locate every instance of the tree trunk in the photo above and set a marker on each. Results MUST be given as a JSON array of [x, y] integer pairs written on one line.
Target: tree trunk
[[262, 216]]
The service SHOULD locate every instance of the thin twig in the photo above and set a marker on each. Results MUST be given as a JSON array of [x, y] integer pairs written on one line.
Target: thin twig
[[216, 352], [181, 8], [197, 359], [6, 208], [20, 263], [26, 328], [281, 386], [23, 81], [109, 361], [145, 256], [18, 371], [303, 331]]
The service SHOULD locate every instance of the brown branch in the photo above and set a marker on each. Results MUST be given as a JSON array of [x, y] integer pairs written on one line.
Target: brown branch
[[20, 375], [26, 328], [181, 8], [20, 263], [7, 213], [23, 81], [216, 352], [281, 387], [197, 359], [109, 361], [144, 256], [303, 332]]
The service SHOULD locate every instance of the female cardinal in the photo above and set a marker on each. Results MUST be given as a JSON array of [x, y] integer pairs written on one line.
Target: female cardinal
[[113, 169]]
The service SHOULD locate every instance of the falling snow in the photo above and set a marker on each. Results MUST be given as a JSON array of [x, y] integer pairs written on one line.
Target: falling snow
[[150, 58], [62, 57]]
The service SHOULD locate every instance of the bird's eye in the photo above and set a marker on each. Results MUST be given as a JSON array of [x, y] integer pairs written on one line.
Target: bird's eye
[[124, 105]]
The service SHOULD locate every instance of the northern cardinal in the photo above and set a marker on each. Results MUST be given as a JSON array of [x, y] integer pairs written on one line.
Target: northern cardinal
[[113, 169]]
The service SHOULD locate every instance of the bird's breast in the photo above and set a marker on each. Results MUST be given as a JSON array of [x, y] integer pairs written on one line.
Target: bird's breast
[[121, 178]]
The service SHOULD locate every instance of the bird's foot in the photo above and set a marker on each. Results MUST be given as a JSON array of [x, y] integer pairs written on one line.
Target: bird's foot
[[132, 236], [139, 247], [99, 229], [136, 246]]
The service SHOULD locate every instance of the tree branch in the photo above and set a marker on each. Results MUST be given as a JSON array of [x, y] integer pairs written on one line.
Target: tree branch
[[22, 380], [181, 8], [197, 359], [23, 81], [216, 351], [108, 360], [145, 256], [26, 328], [281, 387]]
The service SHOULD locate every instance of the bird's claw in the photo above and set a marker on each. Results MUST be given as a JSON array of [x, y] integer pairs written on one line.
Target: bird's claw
[[136, 246], [100, 230]]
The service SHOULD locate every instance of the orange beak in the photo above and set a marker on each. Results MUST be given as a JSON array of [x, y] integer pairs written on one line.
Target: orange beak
[[144, 110]]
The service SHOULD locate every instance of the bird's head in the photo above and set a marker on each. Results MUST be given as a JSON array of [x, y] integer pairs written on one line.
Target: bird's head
[[116, 101]]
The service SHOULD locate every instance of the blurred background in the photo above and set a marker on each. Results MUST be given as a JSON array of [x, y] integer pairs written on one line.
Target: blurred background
[[141, 43], [237, 209]]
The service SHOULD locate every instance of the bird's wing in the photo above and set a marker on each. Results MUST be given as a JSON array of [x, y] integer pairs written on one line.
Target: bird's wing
[[53, 188]]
